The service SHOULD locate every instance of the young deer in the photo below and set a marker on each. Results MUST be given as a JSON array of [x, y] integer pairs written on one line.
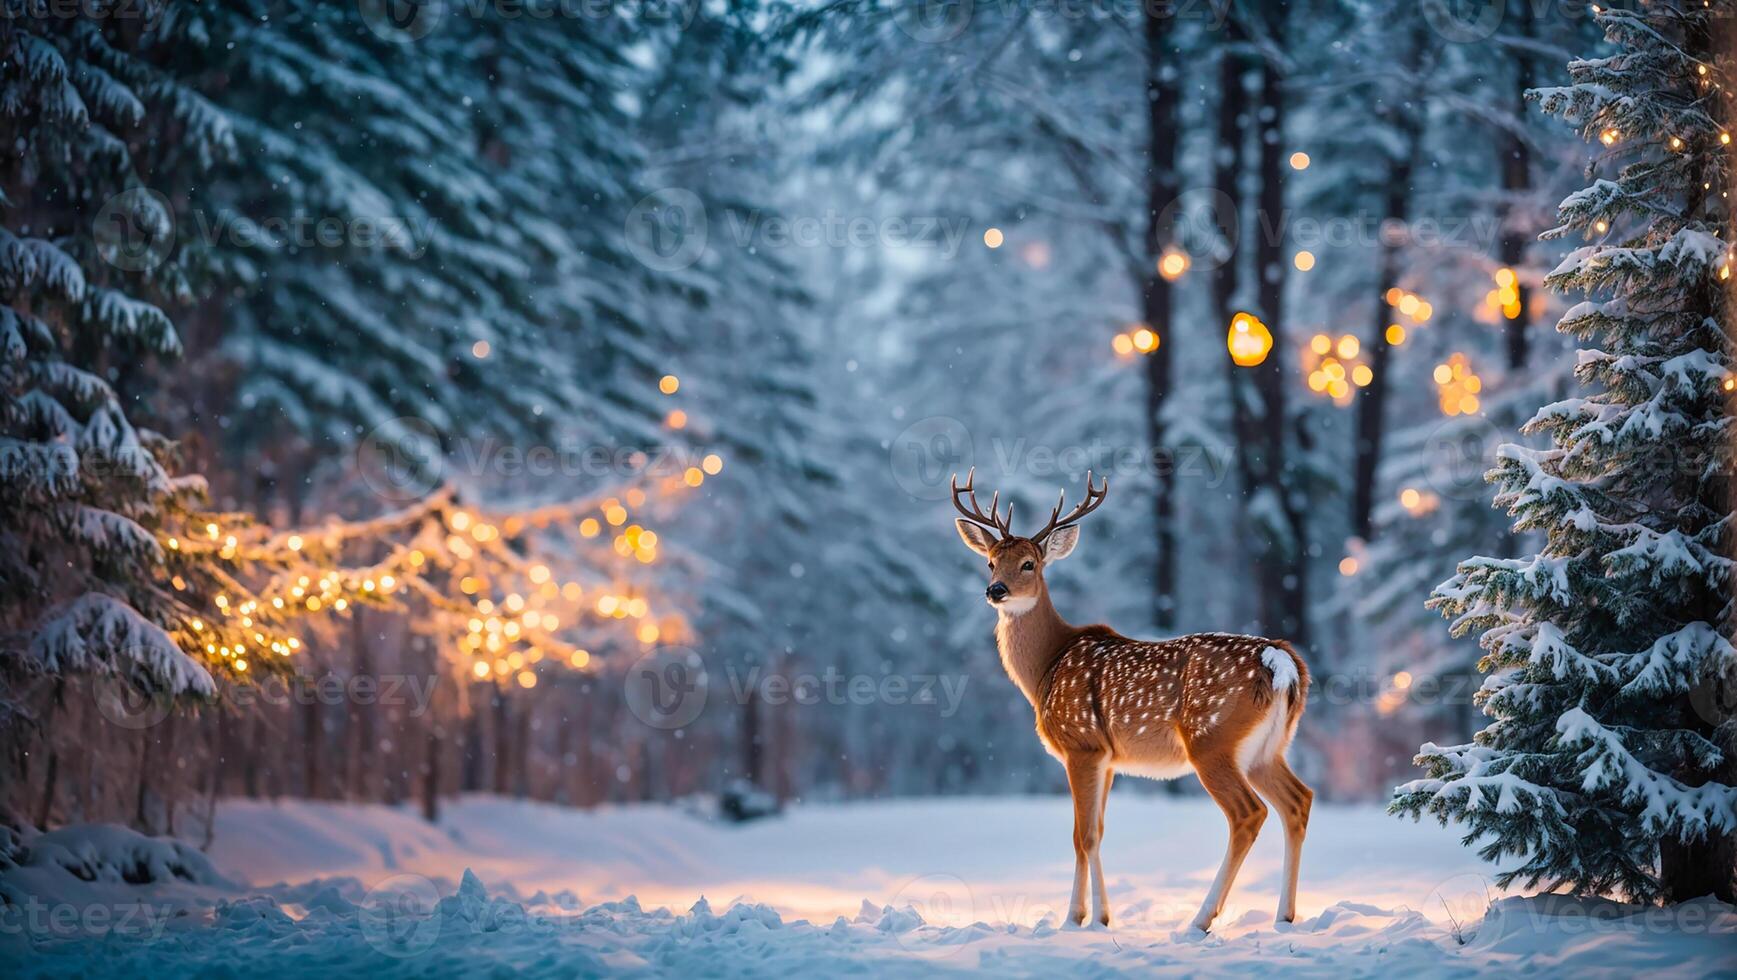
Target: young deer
[[1222, 706]]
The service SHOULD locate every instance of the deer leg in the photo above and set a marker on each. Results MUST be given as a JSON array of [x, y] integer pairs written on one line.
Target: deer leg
[[1245, 813], [1085, 781], [1101, 895], [1284, 790]]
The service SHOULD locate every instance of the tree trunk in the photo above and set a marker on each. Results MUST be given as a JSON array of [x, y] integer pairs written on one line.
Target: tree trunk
[[51, 779], [1516, 180], [432, 745], [503, 757], [1282, 565], [313, 746], [1156, 298], [1372, 400]]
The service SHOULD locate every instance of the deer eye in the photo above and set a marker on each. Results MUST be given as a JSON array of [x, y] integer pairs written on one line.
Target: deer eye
[[1028, 566]]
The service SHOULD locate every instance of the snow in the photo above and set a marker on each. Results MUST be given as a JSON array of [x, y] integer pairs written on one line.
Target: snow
[[901, 888]]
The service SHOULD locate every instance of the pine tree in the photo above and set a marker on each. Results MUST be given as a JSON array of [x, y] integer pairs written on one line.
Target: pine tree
[[1609, 763]]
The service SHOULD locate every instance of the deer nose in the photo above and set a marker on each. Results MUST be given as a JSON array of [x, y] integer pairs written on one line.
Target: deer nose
[[997, 591]]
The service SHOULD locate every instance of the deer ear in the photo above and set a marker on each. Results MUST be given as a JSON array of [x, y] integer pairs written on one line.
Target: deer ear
[[1061, 542], [976, 536]]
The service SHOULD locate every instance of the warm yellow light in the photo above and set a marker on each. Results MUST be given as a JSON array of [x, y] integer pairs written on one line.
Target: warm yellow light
[[589, 527], [693, 477], [1394, 295], [527, 679], [1423, 312], [1362, 375], [648, 633], [1347, 566], [1608, 137], [480, 349], [676, 419], [1395, 335], [1402, 680], [1443, 374], [1349, 345], [1505, 278], [580, 658], [294, 542], [713, 464], [1122, 344], [1145, 341], [1409, 498], [1321, 343], [458, 520], [1676, 143], [1173, 265], [1725, 139], [1304, 260], [669, 384], [1408, 304], [992, 237], [1601, 226], [1249, 341], [480, 669], [1299, 160], [615, 514]]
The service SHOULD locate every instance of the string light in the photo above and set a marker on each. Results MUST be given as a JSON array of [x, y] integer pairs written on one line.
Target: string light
[[992, 237], [1173, 264], [1457, 385]]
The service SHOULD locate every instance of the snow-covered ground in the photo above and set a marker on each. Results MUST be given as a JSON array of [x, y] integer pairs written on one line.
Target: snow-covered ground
[[902, 888]]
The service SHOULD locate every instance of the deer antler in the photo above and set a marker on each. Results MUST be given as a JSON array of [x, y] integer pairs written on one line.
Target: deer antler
[[975, 515], [1094, 497]]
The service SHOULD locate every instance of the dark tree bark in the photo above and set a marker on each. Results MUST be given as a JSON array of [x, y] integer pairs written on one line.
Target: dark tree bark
[[1516, 162], [1372, 400], [1281, 564], [1157, 304]]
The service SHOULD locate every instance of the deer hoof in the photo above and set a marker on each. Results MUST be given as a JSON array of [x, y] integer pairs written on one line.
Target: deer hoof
[[1104, 920]]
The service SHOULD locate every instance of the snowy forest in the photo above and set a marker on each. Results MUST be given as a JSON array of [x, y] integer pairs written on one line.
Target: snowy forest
[[410, 402]]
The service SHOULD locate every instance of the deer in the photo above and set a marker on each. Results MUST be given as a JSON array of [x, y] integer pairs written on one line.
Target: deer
[[1224, 707]]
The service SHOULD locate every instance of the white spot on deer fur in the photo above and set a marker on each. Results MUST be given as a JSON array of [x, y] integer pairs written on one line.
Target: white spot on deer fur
[[1017, 606], [1283, 667]]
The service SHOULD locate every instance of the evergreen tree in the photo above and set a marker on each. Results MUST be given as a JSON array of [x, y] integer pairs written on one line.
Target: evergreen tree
[[1609, 763]]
